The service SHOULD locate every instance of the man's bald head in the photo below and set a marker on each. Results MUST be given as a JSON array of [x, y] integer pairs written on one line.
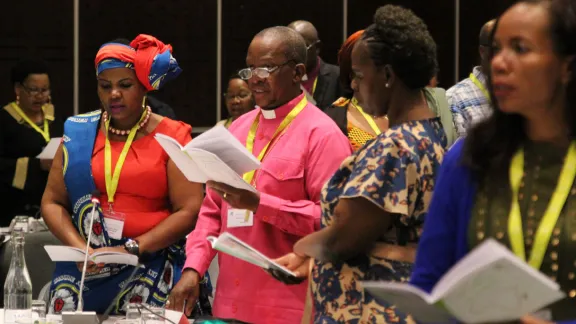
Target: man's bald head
[[310, 35], [306, 30], [486, 32], [294, 45]]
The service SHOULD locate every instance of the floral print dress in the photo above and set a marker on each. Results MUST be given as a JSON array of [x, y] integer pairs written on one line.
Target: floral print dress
[[395, 171]]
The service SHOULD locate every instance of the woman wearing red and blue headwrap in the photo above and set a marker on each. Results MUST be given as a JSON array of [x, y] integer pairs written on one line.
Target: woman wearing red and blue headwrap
[[147, 205]]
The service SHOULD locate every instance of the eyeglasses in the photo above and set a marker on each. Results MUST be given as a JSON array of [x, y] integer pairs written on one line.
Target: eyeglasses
[[261, 72], [311, 45], [241, 96], [35, 91]]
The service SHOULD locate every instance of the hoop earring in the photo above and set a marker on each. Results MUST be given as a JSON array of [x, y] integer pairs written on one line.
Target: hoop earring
[[144, 103]]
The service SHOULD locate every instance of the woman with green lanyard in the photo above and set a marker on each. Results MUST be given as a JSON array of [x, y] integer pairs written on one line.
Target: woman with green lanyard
[[512, 178], [26, 126]]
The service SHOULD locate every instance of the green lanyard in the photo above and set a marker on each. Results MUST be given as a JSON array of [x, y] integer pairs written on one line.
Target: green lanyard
[[548, 222], [480, 85]]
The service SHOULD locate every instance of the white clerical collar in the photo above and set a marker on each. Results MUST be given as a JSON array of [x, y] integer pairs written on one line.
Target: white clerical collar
[[268, 114]]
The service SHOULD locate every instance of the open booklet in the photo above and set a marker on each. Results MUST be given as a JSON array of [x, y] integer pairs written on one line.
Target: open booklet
[[50, 149], [230, 244], [61, 253], [214, 155], [490, 284]]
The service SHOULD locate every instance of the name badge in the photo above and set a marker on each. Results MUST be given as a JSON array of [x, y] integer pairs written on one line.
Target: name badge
[[240, 218], [114, 223]]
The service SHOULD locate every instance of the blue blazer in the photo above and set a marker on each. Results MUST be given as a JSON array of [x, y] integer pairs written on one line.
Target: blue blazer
[[444, 240]]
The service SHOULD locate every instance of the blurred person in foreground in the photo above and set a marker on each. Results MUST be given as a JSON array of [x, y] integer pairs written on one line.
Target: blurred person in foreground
[[512, 178]]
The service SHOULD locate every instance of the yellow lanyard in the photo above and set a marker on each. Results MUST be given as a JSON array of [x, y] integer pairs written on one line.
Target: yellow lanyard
[[480, 85], [112, 180], [228, 122], [249, 176], [368, 118], [314, 85], [45, 133], [544, 231]]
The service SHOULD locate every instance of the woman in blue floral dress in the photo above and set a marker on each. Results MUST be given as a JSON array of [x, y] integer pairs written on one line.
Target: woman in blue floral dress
[[374, 206]]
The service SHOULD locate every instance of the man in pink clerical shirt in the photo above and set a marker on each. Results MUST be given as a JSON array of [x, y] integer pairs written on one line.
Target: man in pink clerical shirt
[[300, 148]]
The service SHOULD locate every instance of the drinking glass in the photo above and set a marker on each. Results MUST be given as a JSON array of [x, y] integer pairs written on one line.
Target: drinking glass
[[38, 309], [153, 315], [133, 311], [21, 222]]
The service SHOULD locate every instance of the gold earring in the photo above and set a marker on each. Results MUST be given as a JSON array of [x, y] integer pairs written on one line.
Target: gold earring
[[144, 103], [17, 100]]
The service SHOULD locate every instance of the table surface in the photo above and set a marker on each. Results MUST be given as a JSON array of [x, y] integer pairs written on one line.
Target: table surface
[[110, 320]]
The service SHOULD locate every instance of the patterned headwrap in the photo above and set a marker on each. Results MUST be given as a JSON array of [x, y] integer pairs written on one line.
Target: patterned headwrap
[[345, 59], [150, 58]]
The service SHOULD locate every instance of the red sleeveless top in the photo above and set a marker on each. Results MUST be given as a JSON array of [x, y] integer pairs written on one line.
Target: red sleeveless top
[[142, 194]]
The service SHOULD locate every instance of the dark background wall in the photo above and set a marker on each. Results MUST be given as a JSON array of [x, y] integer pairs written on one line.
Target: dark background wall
[[45, 29]]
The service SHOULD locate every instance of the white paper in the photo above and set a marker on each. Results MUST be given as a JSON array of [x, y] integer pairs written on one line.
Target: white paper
[[199, 165], [50, 150], [408, 299], [233, 246], [219, 141], [180, 158], [61, 253], [489, 285]]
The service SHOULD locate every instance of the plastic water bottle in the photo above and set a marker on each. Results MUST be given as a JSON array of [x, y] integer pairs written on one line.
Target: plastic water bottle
[[18, 287]]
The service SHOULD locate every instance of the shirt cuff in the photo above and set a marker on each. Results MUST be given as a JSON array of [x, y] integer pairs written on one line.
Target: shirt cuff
[[269, 207], [197, 262]]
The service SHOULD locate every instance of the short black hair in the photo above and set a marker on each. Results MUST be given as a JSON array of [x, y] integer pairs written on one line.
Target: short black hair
[[294, 43], [401, 39], [25, 67]]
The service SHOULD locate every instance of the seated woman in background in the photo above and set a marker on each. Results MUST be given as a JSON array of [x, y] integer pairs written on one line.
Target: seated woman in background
[[347, 112], [238, 99], [500, 182], [147, 205], [374, 207], [26, 126]]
